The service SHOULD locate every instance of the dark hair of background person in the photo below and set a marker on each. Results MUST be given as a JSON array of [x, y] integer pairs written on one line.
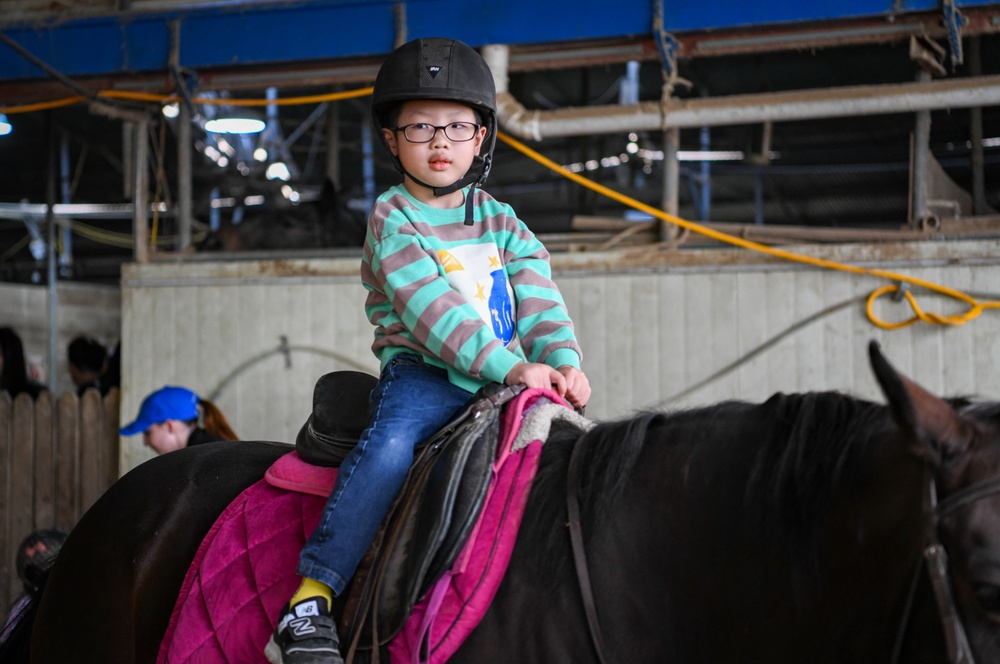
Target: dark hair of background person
[[14, 372], [87, 353], [87, 357]]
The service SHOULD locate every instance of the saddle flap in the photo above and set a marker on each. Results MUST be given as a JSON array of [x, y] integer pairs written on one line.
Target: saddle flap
[[429, 523], [467, 504]]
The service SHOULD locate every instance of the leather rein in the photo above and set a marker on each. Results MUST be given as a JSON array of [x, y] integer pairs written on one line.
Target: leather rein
[[936, 558], [579, 553], [934, 554]]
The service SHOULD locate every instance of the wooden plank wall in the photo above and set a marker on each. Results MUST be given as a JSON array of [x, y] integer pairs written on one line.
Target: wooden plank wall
[[57, 457], [657, 333]]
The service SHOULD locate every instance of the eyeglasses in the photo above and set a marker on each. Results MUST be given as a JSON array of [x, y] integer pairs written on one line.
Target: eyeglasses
[[421, 132]]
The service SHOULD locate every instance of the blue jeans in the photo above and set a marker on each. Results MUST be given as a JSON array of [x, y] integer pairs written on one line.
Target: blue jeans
[[411, 402]]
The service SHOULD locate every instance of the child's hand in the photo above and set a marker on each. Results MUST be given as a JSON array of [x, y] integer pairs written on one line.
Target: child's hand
[[535, 374], [577, 386]]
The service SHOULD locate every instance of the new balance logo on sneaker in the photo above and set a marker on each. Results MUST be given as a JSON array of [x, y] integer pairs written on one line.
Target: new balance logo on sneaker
[[301, 627], [309, 607], [306, 634]]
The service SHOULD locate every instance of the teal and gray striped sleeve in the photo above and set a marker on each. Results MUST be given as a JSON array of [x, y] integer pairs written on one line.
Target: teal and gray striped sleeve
[[543, 323]]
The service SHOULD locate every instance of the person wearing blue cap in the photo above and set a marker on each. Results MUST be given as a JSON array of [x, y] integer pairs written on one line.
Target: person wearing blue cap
[[168, 420]]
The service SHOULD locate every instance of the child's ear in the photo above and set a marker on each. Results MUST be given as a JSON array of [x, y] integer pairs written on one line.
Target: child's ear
[[390, 140], [480, 137]]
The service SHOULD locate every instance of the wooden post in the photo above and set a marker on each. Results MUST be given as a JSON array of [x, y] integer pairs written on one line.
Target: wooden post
[[22, 455], [671, 182], [67, 452], [91, 449], [8, 575], [45, 462]]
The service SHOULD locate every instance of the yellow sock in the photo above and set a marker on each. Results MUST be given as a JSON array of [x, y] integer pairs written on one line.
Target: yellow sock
[[312, 588]]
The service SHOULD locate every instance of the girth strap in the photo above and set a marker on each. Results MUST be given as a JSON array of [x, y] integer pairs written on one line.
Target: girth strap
[[579, 554]]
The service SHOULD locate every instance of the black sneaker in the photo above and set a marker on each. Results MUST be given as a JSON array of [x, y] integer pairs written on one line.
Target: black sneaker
[[306, 634]]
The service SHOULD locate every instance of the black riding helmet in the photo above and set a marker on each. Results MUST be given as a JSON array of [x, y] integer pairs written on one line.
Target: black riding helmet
[[36, 555], [437, 68]]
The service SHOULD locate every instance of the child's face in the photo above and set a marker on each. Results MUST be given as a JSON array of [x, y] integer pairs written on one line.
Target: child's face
[[441, 161]]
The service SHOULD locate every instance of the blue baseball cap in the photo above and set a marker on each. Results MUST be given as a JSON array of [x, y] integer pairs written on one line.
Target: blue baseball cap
[[167, 403]]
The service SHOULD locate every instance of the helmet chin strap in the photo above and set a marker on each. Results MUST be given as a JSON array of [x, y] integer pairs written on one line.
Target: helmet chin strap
[[469, 179], [482, 164]]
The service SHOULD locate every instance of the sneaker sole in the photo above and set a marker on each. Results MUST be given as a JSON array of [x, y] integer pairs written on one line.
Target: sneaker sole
[[272, 651]]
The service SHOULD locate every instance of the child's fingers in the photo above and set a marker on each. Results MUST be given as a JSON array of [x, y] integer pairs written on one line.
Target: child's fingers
[[558, 383]]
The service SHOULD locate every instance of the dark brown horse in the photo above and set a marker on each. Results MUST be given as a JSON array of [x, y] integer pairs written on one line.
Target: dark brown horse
[[326, 222], [794, 530]]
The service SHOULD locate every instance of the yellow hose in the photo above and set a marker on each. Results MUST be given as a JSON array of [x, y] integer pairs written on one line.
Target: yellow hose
[[975, 307]]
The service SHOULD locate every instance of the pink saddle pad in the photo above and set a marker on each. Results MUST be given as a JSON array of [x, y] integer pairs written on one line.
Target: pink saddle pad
[[244, 571]]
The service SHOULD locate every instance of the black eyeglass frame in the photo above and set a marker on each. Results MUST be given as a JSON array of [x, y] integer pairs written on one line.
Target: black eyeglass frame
[[443, 128]]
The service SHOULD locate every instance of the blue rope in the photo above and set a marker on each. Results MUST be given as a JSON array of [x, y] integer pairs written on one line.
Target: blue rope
[[666, 44], [953, 21]]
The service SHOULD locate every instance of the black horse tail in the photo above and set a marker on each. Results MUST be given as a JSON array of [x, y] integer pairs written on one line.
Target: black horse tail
[[15, 638]]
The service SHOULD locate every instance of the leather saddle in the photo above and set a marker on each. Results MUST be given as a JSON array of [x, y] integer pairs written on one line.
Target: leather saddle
[[431, 517]]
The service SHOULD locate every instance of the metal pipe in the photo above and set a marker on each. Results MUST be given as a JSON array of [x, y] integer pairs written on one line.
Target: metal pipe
[[128, 154], [671, 181], [735, 109], [332, 169], [368, 163], [214, 215], [66, 254], [705, 200], [921, 157], [140, 204], [979, 204], [184, 177], [50, 224], [758, 196], [184, 213]]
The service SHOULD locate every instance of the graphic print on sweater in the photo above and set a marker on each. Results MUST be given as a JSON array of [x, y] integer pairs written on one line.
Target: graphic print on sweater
[[475, 271]]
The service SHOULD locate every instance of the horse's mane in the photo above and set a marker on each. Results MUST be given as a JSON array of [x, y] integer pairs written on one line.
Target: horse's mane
[[609, 452], [818, 445], [800, 450]]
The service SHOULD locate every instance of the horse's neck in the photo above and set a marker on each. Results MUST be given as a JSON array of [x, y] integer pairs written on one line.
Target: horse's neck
[[720, 562]]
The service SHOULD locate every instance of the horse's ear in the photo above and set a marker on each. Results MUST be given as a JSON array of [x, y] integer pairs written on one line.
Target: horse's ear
[[939, 434]]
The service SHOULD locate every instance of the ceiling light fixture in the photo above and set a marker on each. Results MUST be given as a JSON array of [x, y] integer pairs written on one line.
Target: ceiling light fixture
[[278, 170], [237, 122], [5, 126]]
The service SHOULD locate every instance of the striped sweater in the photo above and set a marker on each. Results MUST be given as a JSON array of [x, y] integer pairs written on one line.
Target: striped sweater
[[475, 300]]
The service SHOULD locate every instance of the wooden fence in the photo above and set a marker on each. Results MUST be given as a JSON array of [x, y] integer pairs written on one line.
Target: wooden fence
[[58, 455]]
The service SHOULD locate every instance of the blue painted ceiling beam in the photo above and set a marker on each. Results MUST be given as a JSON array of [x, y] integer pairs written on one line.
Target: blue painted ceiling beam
[[224, 35]]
